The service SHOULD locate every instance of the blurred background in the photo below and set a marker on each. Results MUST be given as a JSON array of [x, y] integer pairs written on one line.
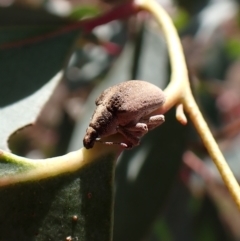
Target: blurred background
[[167, 188]]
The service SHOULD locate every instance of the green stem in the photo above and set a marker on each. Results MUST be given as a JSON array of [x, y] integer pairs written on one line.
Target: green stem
[[50, 167], [178, 91]]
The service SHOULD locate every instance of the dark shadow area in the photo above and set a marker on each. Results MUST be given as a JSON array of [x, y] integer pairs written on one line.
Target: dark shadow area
[[138, 202]]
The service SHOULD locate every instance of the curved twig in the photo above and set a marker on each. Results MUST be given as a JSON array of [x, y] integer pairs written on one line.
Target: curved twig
[[178, 92], [33, 170]]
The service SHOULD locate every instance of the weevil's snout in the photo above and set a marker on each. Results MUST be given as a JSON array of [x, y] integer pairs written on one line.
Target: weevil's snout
[[90, 138]]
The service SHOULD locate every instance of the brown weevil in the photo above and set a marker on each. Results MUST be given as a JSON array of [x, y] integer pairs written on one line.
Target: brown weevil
[[125, 108]]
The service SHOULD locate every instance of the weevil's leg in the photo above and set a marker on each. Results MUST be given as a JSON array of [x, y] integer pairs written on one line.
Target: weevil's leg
[[109, 143], [141, 128], [154, 121], [133, 139]]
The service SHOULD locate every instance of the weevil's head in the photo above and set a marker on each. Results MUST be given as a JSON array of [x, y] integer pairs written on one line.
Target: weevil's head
[[90, 138]]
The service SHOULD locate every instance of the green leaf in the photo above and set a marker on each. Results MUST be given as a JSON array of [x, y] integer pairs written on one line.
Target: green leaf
[[44, 210], [30, 70]]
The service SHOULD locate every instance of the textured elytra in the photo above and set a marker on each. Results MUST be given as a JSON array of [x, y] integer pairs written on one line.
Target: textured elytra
[[125, 108], [134, 96]]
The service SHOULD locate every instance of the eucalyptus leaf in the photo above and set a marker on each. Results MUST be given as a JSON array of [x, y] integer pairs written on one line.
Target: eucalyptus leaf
[[30, 69], [77, 205]]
